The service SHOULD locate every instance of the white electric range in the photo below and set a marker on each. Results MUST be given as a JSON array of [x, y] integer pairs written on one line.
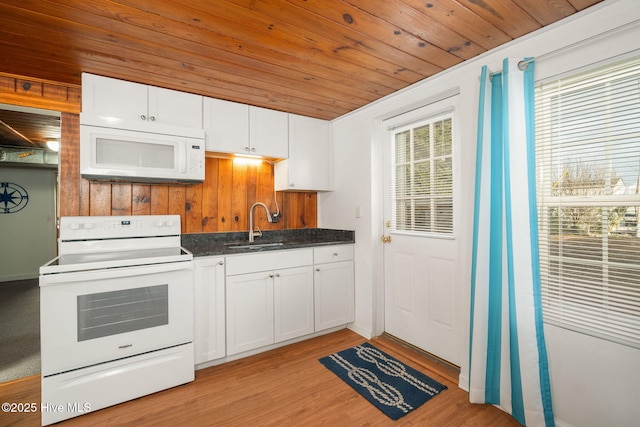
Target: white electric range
[[116, 311]]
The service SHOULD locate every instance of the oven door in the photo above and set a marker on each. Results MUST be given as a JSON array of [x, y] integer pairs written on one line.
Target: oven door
[[91, 317]]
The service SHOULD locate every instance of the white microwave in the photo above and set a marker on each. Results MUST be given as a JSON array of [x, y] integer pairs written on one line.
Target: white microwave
[[133, 156]]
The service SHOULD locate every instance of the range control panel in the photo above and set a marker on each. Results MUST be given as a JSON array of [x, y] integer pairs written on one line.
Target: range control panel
[[113, 227]]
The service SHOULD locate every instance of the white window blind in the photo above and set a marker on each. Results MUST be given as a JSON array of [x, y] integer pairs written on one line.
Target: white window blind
[[422, 177], [588, 168]]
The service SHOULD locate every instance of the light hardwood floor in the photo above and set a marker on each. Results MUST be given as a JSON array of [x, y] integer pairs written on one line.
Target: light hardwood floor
[[282, 387]]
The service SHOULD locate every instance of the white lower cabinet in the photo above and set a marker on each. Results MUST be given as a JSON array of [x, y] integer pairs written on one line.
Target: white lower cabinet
[[249, 311], [209, 337], [247, 301], [333, 286], [293, 303], [269, 305]]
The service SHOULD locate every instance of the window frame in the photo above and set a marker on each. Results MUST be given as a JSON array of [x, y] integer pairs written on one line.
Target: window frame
[[433, 196], [572, 312]]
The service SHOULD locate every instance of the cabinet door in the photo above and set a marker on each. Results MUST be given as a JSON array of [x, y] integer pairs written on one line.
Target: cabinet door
[[334, 294], [226, 126], [308, 167], [249, 311], [174, 108], [269, 133], [114, 99], [293, 303], [209, 340]]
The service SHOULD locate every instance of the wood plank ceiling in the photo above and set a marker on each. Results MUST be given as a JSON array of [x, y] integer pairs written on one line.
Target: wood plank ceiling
[[319, 58]]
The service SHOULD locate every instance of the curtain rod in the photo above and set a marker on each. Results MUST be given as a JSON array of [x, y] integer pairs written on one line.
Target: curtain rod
[[524, 64]]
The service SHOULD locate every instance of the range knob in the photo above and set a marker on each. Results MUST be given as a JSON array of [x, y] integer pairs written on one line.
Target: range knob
[[74, 226], [159, 223]]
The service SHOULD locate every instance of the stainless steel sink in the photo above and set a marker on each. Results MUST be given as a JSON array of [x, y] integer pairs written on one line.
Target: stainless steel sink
[[256, 245]]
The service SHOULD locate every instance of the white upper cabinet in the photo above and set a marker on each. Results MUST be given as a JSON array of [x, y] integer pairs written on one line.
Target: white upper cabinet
[[269, 133], [226, 126], [308, 167], [117, 103], [242, 129]]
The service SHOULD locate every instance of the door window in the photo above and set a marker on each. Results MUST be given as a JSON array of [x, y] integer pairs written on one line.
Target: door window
[[422, 177]]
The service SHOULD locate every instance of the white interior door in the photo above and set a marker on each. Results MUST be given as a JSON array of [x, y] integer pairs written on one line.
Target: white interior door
[[421, 250]]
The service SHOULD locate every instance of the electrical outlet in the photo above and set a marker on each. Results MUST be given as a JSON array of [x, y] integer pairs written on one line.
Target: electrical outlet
[[275, 216]]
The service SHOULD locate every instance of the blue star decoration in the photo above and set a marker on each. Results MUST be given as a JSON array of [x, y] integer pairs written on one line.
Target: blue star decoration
[[13, 197]]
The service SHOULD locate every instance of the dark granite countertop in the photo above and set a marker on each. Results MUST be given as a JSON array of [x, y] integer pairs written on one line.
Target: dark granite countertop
[[208, 244]]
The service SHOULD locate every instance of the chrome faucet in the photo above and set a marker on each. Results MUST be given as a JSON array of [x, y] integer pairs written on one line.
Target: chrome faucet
[[258, 233]]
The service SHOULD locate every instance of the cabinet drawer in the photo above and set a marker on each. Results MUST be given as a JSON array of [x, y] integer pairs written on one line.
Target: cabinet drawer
[[266, 261], [334, 253]]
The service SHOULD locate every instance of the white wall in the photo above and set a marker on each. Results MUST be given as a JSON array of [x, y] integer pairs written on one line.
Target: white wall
[[28, 236], [593, 381]]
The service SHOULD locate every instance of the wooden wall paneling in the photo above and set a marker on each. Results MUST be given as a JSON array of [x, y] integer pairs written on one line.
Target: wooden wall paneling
[[301, 210], [99, 198], [210, 196], [121, 199], [290, 205], [265, 194], [240, 218], [310, 210], [85, 191], [69, 190], [251, 180], [177, 203], [159, 199], [140, 199], [193, 209], [39, 93], [225, 187]]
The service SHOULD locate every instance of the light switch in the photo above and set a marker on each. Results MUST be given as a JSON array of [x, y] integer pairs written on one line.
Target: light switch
[[358, 212]]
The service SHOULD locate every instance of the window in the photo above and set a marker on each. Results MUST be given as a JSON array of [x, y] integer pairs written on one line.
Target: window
[[588, 168], [422, 177]]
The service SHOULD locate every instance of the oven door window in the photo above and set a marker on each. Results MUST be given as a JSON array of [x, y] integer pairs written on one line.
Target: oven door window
[[116, 312]]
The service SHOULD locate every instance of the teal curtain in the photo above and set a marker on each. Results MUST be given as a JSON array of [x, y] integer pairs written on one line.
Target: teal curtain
[[507, 359]]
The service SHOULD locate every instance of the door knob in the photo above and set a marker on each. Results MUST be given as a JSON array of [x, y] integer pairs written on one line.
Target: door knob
[[386, 239]]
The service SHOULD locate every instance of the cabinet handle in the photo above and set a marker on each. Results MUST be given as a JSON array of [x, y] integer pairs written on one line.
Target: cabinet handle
[[271, 276], [317, 269], [335, 254], [152, 118], [277, 274], [220, 262], [143, 117], [246, 148], [253, 149]]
